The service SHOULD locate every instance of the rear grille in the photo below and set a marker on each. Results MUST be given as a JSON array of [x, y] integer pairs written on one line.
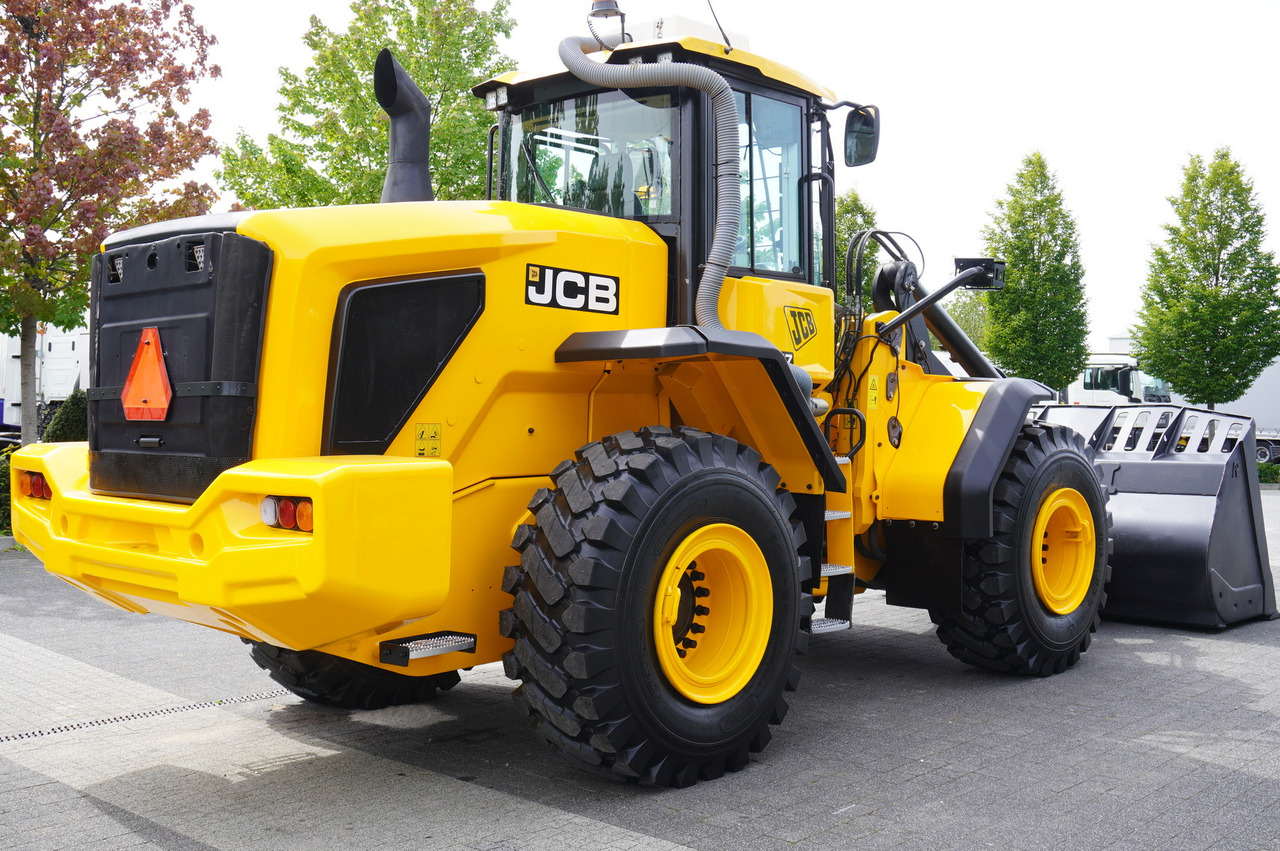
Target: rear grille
[[206, 294], [392, 339]]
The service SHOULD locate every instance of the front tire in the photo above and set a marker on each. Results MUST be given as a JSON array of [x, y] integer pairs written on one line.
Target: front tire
[[1032, 592], [658, 606]]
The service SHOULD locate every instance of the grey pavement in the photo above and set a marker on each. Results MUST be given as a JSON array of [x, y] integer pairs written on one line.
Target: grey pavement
[[125, 731]]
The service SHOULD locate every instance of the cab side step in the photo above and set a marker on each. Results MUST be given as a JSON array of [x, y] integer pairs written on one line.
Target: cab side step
[[400, 650], [839, 593]]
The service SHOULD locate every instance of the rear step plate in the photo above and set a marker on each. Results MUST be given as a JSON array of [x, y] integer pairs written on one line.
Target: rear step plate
[[820, 625], [399, 651]]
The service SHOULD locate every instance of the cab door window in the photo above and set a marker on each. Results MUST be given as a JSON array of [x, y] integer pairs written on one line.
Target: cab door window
[[770, 167]]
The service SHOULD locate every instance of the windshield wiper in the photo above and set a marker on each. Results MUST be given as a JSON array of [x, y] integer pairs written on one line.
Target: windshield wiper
[[533, 167]]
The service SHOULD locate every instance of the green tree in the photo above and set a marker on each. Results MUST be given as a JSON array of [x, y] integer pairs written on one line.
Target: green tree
[[969, 309], [70, 421], [854, 215], [1037, 323], [332, 148], [1209, 322], [91, 139]]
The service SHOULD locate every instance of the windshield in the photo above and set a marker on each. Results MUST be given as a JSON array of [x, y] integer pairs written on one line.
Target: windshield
[[608, 151], [1153, 389]]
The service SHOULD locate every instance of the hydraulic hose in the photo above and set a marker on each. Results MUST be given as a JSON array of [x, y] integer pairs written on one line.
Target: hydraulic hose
[[575, 54]]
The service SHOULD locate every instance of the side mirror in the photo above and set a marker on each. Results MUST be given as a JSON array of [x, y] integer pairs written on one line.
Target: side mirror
[[992, 280], [861, 135], [1125, 380]]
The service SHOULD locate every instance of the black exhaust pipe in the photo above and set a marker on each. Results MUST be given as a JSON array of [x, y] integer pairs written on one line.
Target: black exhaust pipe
[[408, 170]]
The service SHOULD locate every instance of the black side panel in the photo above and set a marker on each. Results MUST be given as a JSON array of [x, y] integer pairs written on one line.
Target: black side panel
[[391, 341], [970, 485], [923, 567], [206, 294]]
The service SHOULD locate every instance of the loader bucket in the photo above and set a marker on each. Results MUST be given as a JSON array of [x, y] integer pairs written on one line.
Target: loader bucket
[[1190, 546]]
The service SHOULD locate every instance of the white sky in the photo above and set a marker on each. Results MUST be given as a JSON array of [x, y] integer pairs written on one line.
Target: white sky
[[1116, 95]]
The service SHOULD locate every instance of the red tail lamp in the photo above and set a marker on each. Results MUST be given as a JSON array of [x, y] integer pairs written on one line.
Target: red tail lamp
[[34, 485], [288, 512]]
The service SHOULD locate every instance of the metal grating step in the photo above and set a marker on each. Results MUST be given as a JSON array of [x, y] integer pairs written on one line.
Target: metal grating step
[[836, 569], [818, 626], [837, 515], [842, 460], [399, 651]]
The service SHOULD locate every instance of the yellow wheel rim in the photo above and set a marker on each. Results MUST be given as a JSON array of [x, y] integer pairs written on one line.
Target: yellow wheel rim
[[1062, 551], [712, 613]]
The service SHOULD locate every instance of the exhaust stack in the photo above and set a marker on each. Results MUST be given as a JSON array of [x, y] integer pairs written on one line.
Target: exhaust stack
[[408, 170]]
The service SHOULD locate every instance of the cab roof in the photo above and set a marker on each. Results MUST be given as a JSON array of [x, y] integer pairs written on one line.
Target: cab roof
[[689, 49]]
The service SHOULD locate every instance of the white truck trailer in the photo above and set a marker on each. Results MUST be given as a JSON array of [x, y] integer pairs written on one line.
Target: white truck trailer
[[62, 365]]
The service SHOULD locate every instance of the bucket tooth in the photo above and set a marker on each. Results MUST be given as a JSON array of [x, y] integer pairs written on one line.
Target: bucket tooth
[[400, 651]]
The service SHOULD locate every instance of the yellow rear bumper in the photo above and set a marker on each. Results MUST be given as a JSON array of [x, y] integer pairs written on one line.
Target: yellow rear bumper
[[377, 559]]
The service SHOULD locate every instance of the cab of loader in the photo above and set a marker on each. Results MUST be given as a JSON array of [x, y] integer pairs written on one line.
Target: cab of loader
[[648, 154]]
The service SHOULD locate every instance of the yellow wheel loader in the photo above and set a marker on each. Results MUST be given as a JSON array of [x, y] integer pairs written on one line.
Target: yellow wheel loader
[[324, 430]]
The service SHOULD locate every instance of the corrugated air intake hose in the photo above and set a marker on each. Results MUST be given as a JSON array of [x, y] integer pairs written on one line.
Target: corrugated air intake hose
[[574, 53]]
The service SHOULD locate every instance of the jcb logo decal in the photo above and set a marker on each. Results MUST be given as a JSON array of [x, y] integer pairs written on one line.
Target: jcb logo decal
[[570, 290], [801, 324]]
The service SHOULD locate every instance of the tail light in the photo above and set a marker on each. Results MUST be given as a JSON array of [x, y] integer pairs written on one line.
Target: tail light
[[34, 485], [288, 512]]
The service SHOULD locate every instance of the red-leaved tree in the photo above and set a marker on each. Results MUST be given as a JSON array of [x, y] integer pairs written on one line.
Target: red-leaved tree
[[93, 137]]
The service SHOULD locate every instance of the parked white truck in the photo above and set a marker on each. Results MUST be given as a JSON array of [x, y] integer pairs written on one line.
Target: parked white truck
[[62, 365], [1115, 379]]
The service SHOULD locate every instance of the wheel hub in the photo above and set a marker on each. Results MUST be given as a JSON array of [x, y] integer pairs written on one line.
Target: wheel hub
[[1063, 547], [712, 613]]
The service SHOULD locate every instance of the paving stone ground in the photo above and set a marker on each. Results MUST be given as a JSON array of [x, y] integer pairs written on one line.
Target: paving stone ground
[[121, 731]]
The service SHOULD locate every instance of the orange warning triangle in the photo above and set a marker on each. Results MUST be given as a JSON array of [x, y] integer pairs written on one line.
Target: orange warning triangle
[[147, 392]]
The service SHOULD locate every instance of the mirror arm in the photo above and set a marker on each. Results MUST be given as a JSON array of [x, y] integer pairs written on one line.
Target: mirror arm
[[886, 329]]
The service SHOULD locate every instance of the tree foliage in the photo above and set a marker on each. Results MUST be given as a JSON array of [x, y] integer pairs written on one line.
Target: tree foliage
[[332, 148], [1210, 322], [969, 310], [91, 138], [854, 215], [70, 421], [1037, 323]]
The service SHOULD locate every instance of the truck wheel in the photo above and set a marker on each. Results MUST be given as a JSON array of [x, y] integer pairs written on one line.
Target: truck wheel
[[1031, 593], [334, 681], [658, 606], [1264, 453]]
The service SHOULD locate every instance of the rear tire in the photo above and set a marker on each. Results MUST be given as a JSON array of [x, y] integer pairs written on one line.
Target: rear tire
[[334, 681], [1264, 453], [658, 606], [1032, 592]]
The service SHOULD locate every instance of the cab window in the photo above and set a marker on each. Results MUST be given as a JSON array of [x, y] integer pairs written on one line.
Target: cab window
[[610, 152], [770, 167]]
